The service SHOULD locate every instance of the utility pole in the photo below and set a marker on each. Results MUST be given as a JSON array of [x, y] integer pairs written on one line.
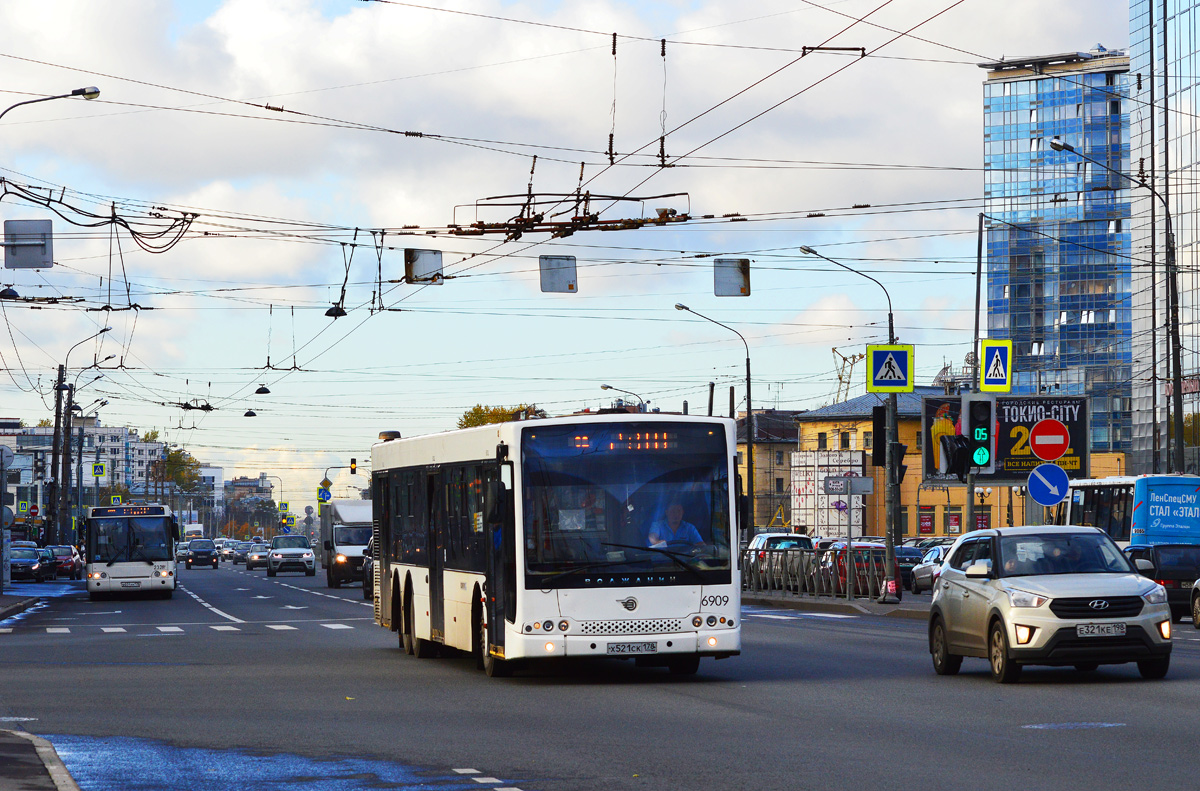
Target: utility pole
[[51, 518], [64, 481]]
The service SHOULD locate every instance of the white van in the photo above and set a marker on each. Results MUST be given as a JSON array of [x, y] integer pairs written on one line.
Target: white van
[[345, 531]]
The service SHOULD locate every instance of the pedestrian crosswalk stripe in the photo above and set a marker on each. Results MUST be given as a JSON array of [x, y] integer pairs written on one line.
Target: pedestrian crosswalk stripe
[[279, 626], [337, 626], [112, 629]]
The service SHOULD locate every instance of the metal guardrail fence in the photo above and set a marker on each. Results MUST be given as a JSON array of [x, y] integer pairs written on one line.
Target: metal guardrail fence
[[815, 572]]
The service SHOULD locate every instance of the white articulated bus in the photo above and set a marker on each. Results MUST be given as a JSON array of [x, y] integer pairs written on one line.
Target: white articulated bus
[[583, 536], [130, 549]]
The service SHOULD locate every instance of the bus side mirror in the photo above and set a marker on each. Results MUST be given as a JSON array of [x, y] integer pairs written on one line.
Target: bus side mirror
[[174, 529]]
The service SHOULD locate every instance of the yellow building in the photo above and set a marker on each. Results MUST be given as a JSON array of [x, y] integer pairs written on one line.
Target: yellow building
[[931, 510]]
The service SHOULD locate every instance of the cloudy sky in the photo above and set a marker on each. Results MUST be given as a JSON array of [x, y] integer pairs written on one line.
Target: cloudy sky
[[270, 137]]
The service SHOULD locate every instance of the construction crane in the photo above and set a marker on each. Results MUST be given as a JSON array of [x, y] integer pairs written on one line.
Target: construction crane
[[845, 366]]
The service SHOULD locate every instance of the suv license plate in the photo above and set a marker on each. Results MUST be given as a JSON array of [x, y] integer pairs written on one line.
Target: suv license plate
[[1100, 630], [131, 584], [633, 648]]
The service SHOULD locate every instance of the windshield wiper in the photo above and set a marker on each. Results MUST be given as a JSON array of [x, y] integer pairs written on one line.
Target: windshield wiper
[[675, 556]]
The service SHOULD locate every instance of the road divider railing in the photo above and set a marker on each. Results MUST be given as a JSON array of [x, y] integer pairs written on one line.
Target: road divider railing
[[817, 572]]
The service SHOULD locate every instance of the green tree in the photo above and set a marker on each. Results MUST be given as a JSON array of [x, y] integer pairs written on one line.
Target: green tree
[[43, 423], [480, 415], [150, 436], [181, 469]]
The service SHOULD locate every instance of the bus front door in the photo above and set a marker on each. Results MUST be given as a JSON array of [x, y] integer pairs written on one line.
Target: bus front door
[[434, 502]]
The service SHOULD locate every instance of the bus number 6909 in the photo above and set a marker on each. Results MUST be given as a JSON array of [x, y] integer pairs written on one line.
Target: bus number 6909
[[714, 601]]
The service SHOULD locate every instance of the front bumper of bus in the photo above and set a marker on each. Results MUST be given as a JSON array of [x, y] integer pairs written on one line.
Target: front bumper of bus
[[103, 582], [716, 643]]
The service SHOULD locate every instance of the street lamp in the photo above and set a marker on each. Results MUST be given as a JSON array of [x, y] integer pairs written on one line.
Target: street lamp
[[90, 92], [641, 401], [1173, 306], [56, 468], [892, 468], [748, 527]]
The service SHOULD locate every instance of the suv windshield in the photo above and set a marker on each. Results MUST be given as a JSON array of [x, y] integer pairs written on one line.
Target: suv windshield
[[201, 543], [289, 542], [352, 536], [628, 498], [1060, 553]]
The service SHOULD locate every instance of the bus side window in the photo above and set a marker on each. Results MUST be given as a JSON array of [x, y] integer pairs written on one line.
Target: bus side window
[[1122, 513], [1087, 514]]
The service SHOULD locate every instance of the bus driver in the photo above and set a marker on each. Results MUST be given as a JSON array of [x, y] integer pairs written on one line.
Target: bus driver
[[674, 530]]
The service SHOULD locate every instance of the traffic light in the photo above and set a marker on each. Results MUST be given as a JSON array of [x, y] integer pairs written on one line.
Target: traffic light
[[39, 467], [980, 425], [901, 467], [954, 456], [353, 466], [879, 435]]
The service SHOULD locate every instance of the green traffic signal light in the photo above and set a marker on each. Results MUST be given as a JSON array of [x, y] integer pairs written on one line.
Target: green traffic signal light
[[981, 457]]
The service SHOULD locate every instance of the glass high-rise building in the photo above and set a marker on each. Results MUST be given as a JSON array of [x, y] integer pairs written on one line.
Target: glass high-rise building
[[1057, 230], [1165, 148]]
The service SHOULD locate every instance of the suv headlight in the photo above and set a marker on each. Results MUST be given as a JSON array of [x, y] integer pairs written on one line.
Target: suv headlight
[[1020, 598], [1156, 595]]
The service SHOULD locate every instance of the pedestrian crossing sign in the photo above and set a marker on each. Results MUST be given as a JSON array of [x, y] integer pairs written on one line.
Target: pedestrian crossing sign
[[995, 372], [98, 469], [889, 368]]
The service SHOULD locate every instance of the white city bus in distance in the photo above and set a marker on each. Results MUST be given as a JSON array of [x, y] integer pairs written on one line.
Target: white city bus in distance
[[130, 549], [581, 536]]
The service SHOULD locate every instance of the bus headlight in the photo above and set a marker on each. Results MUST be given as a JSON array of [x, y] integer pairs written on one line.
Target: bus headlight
[[549, 648], [697, 622], [712, 642], [562, 626], [712, 620]]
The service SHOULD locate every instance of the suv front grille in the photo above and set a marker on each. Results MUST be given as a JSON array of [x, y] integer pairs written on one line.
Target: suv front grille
[[1081, 608]]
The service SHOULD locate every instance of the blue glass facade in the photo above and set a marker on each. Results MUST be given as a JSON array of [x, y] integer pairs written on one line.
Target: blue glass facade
[[1164, 59], [1057, 230]]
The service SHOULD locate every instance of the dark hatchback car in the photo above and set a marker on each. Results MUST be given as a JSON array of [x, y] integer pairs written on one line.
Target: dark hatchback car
[[1176, 567], [906, 559], [31, 564], [202, 552], [240, 550]]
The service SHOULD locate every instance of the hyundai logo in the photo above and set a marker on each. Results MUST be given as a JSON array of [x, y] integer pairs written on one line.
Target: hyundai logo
[[1098, 604], [631, 603]]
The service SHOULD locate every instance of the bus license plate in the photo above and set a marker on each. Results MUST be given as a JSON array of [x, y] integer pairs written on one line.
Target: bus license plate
[[131, 584], [1100, 630], [633, 648]]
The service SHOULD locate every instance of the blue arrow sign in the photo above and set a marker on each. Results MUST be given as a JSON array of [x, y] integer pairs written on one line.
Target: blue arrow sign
[[1047, 484], [323, 494]]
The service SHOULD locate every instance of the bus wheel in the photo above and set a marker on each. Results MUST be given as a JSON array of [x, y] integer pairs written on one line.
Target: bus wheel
[[479, 637], [684, 665], [405, 626]]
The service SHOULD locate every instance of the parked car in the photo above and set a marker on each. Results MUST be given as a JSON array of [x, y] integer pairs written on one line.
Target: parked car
[[29, 563], [869, 569], [256, 556], [1047, 595], [240, 550], [925, 574], [1175, 567], [68, 561], [369, 570], [906, 559], [202, 552], [775, 561], [291, 553]]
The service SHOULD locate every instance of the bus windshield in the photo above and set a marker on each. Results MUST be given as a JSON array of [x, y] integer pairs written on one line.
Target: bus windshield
[[640, 500], [122, 539]]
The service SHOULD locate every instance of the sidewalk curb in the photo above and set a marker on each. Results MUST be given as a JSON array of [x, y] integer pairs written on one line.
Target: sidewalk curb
[[17, 607], [54, 766]]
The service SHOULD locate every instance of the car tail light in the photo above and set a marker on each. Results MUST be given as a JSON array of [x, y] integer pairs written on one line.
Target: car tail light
[[762, 555], [1168, 583]]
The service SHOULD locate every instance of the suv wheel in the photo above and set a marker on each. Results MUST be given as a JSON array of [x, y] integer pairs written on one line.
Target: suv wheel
[[1004, 670], [1154, 668], [944, 662]]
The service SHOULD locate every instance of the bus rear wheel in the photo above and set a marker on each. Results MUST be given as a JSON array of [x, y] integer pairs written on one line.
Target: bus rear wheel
[[405, 626]]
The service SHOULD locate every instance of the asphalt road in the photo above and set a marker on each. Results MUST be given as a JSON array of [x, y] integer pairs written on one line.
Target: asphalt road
[[242, 681]]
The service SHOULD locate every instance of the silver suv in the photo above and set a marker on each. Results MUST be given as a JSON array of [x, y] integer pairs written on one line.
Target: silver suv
[[290, 553], [1046, 596]]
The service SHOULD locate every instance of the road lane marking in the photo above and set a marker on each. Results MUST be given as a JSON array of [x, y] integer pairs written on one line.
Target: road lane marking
[[225, 628], [171, 629], [58, 630], [279, 626], [112, 629], [486, 779], [468, 771], [224, 615], [337, 626]]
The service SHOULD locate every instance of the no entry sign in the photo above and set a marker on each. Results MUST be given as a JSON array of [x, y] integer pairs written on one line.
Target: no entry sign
[[1049, 439]]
